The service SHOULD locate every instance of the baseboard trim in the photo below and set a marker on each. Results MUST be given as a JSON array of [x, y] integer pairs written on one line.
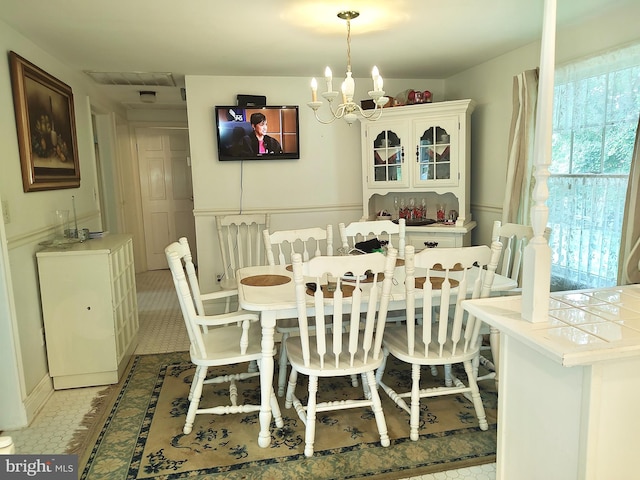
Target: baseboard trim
[[38, 397]]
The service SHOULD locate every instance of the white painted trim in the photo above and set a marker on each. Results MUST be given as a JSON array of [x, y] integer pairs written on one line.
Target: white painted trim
[[38, 397]]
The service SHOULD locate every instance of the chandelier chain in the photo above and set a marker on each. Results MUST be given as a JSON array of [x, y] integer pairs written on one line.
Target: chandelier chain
[[348, 45]]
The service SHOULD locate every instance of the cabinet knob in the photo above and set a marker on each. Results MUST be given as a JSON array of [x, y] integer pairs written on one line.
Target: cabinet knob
[[430, 244]]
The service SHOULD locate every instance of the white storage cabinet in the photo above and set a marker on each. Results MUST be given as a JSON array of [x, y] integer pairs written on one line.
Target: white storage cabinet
[[421, 152], [90, 310]]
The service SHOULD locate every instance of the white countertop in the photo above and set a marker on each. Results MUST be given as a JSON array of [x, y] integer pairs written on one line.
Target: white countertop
[[583, 326]]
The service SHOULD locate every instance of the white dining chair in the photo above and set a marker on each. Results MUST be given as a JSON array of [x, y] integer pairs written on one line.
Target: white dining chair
[[433, 335], [309, 242], [514, 237], [215, 341], [349, 348], [241, 245], [383, 230], [279, 247]]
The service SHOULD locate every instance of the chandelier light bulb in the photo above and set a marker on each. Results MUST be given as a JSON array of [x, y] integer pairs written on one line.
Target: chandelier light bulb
[[314, 90], [375, 74], [328, 77]]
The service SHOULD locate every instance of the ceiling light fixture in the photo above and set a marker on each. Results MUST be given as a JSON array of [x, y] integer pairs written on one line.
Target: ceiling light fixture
[[348, 109], [148, 96]]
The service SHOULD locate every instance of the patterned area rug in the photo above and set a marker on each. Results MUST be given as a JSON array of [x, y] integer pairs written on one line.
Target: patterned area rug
[[142, 438]]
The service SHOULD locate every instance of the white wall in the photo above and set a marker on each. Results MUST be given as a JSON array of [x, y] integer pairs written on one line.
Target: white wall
[[323, 186], [490, 84], [31, 222]]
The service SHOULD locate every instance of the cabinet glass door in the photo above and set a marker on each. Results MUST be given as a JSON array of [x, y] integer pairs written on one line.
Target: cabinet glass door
[[387, 163], [436, 159]]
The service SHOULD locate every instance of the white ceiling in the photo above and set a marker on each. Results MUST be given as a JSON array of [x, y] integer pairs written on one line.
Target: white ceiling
[[404, 38]]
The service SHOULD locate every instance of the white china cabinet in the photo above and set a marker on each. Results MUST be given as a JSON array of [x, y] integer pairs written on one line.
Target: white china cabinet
[[416, 159], [89, 305]]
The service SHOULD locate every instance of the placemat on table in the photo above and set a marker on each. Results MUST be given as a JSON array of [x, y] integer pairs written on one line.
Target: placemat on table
[[265, 280], [436, 282]]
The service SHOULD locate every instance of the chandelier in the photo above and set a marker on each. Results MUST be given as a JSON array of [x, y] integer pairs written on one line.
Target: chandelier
[[348, 109]]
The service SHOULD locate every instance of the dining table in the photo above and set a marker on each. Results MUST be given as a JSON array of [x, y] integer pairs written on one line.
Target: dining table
[[270, 291]]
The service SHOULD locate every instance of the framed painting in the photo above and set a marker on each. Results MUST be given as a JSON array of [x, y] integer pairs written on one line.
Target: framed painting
[[46, 126]]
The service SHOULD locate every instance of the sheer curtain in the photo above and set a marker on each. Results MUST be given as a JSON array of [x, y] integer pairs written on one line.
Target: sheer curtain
[[517, 198], [596, 106], [629, 267]]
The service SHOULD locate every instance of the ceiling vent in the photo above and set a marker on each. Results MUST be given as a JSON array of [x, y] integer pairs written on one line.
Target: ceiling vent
[[133, 78]]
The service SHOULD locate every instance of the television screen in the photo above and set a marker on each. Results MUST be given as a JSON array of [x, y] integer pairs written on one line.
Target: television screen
[[257, 133]]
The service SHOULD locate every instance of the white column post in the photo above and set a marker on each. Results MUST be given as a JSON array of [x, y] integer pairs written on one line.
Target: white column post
[[537, 255]]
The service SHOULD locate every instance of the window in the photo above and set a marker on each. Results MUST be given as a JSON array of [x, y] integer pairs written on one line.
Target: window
[[596, 105]]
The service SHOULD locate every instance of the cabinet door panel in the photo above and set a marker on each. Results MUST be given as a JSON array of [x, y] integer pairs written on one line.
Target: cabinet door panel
[[436, 152], [78, 314], [385, 145]]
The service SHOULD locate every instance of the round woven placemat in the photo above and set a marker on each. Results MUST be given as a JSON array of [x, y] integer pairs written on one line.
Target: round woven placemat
[[436, 282], [265, 280], [456, 268]]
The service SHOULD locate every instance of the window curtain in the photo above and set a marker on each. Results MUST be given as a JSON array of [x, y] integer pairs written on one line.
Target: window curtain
[[519, 187], [629, 266]]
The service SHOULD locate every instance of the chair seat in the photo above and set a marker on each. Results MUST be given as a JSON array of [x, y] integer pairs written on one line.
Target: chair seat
[[396, 340], [329, 369], [221, 343]]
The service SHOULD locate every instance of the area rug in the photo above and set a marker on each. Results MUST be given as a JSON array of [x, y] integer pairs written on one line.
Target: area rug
[[141, 436]]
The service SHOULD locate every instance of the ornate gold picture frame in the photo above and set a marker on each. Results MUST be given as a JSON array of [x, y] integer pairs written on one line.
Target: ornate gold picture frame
[[46, 126]]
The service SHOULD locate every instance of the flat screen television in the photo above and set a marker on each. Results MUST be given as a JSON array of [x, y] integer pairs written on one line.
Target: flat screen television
[[237, 140]]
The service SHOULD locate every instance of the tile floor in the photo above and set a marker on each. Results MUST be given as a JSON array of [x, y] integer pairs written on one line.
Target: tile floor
[[161, 330]]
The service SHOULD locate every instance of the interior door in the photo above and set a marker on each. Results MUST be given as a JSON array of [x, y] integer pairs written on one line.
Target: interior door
[[166, 189]]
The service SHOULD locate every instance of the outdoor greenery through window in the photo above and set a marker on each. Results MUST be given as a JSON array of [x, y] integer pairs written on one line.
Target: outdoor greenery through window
[[596, 106]]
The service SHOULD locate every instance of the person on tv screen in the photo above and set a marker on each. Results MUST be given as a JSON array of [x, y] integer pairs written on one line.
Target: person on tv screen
[[258, 142]]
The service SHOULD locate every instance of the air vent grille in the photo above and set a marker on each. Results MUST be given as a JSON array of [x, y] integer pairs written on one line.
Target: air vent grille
[[133, 78]]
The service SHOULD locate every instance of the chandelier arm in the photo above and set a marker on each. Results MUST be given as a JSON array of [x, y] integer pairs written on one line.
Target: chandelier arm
[[335, 112], [324, 122], [376, 110], [373, 115]]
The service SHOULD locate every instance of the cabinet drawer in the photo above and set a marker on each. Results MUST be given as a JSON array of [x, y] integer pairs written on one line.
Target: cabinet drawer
[[418, 240]]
